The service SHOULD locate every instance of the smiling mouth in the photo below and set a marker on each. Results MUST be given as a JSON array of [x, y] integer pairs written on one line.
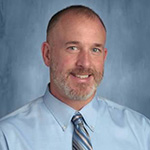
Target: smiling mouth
[[81, 76]]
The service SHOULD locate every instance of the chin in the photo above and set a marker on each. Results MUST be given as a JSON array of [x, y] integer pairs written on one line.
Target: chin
[[81, 94]]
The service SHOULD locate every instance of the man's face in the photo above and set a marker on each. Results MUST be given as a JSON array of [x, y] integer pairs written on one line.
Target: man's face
[[77, 57]]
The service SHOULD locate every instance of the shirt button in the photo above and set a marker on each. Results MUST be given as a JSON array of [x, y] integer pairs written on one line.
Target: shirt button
[[92, 128], [64, 128]]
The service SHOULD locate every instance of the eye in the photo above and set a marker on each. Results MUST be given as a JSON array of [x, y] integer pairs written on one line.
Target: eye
[[73, 48], [96, 50]]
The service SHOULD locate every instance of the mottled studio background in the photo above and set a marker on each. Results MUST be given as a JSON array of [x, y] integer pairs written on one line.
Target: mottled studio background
[[23, 75]]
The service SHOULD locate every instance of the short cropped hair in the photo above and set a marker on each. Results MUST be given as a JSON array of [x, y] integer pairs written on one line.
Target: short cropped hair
[[77, 9]]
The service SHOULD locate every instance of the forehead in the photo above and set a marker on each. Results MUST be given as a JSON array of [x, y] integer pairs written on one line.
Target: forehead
[[74, 17], [75, 26]]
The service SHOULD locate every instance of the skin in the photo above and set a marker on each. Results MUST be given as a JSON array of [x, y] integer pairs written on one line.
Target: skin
[[75, 47]]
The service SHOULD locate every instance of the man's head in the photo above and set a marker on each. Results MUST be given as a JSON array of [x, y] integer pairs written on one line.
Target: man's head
[[78, 10], [75, 52]]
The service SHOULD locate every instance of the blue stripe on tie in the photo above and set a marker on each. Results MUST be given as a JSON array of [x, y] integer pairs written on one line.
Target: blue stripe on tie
[[81, 139]]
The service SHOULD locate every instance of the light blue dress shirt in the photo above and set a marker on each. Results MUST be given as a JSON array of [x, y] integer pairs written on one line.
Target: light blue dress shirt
[[45, 124]]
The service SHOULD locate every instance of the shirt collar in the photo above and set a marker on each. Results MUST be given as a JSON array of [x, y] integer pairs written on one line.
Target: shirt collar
[[61, 112], [90, 113], [64, 113]]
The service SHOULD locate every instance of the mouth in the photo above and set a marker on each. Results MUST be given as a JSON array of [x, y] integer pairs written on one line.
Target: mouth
[[81, 77]]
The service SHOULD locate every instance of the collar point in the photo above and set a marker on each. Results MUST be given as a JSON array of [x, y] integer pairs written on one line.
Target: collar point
[[64, 128]]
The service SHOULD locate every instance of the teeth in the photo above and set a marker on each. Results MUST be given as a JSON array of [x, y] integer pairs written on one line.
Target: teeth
[[82, 76]]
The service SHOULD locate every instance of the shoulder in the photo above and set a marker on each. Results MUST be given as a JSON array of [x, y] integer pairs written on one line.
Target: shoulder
[[21, 113], [121, 113]]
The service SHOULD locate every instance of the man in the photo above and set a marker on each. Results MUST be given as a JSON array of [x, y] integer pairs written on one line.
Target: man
[[70, 115]]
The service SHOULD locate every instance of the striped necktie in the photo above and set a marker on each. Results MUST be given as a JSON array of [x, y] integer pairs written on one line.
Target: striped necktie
[[81, 139]]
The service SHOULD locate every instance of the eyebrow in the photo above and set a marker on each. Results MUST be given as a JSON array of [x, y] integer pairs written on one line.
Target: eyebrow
[[98, 45], [77, 42], [72, 42]]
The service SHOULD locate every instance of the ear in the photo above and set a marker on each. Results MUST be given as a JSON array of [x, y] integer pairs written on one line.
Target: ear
[[105, 53], [46, 53]]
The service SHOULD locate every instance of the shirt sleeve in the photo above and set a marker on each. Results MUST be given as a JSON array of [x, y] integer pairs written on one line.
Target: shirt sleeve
[[147, 133], [148, 142], [3, 141]]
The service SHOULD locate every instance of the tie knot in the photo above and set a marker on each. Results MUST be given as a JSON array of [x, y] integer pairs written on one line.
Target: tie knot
[[77, 119]]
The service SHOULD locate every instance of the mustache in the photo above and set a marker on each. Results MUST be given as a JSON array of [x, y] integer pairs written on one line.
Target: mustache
[[81, 71], [88, 71]]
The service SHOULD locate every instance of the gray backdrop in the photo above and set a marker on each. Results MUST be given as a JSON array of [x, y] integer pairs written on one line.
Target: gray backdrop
[[23, 75]]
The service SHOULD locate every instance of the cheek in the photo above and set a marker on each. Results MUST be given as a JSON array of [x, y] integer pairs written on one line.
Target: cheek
[[65, 63], [99, 66]]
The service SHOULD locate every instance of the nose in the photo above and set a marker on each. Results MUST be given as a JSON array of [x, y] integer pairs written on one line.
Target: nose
[[83, 59]]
